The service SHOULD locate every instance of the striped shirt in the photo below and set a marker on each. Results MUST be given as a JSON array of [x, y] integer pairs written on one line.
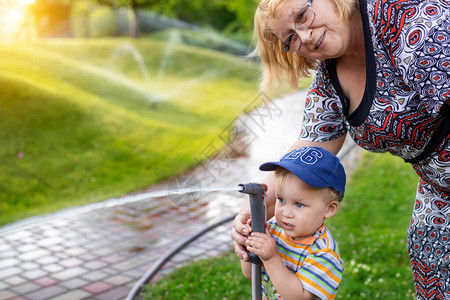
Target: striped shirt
[[314, 260]]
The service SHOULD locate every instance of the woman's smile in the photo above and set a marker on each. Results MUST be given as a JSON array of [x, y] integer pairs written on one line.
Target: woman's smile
[[321, 41]]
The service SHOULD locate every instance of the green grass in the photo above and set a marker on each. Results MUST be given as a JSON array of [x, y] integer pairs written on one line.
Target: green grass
[[79, 125], [370, 229], [205, 279]]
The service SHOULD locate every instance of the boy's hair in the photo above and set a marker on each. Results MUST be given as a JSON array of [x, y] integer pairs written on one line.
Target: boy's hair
[[276, 62], [281, 174]]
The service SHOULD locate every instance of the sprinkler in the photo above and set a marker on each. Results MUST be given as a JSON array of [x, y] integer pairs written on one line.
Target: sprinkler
[[256, 192]]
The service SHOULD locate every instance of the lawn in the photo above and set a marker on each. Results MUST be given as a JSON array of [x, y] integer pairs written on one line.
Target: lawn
[[370, 229], [87, 120]]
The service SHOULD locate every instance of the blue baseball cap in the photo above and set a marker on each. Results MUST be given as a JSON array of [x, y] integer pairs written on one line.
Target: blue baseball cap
[[314, 165]]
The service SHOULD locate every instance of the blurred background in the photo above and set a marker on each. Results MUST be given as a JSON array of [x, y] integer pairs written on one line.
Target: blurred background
[[103, 98], [28, 19]]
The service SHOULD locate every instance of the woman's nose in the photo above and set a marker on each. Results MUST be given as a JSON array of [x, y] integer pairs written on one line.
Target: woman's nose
[[304, 35]]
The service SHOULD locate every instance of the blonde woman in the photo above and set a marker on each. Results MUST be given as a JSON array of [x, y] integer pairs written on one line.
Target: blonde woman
[[382, 74]]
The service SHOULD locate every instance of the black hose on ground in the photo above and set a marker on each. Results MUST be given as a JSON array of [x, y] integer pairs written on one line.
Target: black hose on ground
[[147, 277]]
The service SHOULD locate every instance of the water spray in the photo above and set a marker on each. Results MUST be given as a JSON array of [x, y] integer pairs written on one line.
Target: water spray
[[256, 192]]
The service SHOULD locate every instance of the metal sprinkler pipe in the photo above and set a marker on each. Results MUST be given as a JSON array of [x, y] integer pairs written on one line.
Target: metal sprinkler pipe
[[256, 192]]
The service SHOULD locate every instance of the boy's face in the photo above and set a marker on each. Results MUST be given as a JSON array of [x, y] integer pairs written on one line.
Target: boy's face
[[300, 208]]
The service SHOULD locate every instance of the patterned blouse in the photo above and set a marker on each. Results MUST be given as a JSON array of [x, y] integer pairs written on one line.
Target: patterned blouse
[[407, 82]]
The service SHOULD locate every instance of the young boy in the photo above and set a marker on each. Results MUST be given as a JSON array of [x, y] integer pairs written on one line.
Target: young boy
[[298, 252]]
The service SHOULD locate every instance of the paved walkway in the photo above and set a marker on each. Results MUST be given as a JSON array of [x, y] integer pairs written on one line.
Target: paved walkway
[[100, 251], [98, 254]]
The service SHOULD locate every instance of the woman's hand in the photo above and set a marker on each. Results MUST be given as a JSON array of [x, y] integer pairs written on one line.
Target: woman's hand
[[262, 244], [241, 225], [240, 232]]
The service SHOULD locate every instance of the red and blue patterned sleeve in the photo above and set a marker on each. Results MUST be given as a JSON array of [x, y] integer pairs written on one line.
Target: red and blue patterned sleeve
[[416, 36]]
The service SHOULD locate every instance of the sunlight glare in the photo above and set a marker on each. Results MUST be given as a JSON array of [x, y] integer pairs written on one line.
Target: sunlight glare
[[25, 2], [12, 17]]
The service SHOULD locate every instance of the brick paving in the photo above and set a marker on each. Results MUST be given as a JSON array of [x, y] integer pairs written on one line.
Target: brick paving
[[99, 254], [100, 251]]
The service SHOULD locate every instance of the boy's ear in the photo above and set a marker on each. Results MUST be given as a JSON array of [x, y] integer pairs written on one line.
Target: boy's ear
[[332, 209]]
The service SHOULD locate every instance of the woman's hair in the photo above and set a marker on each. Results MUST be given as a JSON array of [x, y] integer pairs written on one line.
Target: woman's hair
[[281, 174], [275, 61]]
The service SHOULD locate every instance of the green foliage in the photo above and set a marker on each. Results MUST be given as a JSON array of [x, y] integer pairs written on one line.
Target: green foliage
[[90, 20], [102, 22], [199, 12], [204, 38], [370, 230], [78, 123], [79, 16], [123, 19], [65, 17], [228, 15], [244, 11]]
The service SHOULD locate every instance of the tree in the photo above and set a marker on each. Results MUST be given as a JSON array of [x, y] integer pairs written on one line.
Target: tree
[[135, 5], [51, 17], [230, 15], [244, 11]]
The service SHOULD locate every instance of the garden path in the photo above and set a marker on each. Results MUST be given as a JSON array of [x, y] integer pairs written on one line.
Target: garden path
[[99, 251]]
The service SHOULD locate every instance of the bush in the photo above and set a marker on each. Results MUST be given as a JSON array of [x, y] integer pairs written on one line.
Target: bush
[[123, 17], [204, 38], [102, 22], [79, 16]]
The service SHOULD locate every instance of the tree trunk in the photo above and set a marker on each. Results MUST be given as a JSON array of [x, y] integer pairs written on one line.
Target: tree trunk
[[134, 30]]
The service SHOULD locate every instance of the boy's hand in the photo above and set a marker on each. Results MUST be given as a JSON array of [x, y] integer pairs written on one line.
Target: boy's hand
[[262, 244]]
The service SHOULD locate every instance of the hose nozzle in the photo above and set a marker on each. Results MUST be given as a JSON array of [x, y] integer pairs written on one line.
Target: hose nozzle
[[252, 188], [256, 193]]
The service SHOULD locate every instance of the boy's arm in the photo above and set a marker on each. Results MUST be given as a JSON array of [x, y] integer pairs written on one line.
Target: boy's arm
[[287, 284]]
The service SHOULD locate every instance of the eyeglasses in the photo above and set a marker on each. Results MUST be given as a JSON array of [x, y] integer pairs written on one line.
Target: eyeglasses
[[303, 21]]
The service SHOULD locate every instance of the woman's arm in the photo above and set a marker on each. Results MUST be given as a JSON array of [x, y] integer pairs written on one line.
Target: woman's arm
[[239, 231]]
